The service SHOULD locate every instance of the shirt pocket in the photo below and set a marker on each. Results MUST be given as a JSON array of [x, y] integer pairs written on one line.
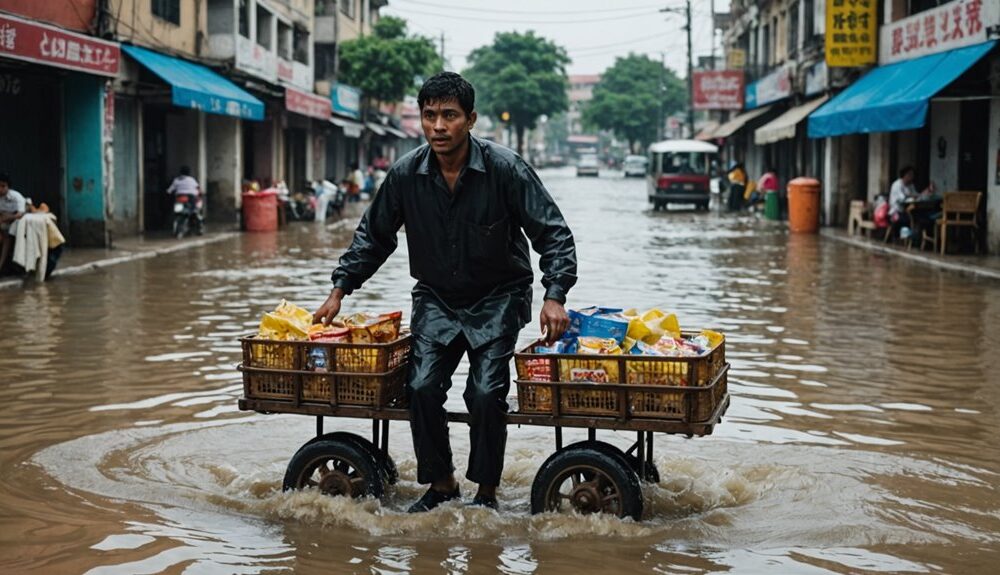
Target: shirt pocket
[[488, 244]]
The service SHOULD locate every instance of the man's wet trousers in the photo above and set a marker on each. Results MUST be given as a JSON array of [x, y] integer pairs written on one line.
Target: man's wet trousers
[[431, 368]]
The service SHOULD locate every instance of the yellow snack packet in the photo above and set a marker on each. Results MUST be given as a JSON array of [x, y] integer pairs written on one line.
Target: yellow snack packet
[[286, 322], [714, 338]]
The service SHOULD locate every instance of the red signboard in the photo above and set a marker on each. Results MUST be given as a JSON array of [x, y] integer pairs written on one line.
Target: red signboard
[[718, 90], [307, 104], [24, 40]]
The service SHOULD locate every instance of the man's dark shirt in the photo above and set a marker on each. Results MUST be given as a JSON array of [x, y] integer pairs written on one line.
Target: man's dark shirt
[[468, 250]]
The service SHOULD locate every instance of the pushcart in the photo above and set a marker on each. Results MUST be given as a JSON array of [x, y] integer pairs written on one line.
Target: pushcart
[[590, 476]]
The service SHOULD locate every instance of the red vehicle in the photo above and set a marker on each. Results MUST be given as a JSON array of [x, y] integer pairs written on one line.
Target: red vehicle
[[680, 172]]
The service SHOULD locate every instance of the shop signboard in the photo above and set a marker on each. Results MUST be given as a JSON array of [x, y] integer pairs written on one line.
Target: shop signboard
[[949, 26], [851, 32], [33, 42], [718, 90], [736, 59], [346, 100], [771, 88], [307, 104], [294, 73], [816, 79]]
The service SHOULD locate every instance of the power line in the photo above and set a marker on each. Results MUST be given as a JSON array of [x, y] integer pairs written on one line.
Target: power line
[[533, 12], [528, 22]]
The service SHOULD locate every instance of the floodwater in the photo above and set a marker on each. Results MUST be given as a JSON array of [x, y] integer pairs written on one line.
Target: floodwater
[[861, 436]]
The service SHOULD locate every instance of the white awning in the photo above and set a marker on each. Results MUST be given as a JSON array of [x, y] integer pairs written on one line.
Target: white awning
[[351, 129], [733, 126], [398, 133], [377, 128], [783, 127]]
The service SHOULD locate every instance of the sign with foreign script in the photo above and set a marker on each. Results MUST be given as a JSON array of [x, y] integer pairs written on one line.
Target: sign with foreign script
[[851, 32], [775, 86], [26, 40], [718, 90], [346, 100], [307, 104], [736, 59], [949, 26]]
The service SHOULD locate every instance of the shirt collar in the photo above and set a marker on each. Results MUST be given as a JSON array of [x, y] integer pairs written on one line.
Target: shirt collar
[[475, 161]]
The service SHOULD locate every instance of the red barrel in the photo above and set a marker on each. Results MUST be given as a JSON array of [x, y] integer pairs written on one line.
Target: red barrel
[[803, 205], [260, 211]]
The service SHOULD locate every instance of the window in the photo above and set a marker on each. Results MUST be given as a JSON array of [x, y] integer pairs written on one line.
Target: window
[[809, 11], [921, 5], [347, 7], [264, 22], [284, 40], [244, 8], [793, 29], [169, 10], [765, 49], [300, 47]]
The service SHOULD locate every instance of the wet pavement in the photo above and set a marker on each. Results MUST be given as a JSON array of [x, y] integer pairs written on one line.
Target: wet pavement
[[861, 436]]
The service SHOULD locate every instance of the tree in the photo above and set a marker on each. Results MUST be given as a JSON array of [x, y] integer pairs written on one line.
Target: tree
[[629, 97], [522, 75], [386, 63]]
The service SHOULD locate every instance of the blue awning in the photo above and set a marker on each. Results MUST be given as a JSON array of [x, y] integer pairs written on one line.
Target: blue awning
[[894, 96], [195, 86]]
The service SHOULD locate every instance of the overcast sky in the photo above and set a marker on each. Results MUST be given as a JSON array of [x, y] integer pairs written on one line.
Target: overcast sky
[[594, 32]]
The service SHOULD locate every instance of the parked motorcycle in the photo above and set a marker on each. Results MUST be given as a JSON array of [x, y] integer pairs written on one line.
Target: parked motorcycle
[[187, 215]]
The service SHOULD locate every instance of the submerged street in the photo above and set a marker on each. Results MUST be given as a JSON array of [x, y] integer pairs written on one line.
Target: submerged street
[[861, 435]]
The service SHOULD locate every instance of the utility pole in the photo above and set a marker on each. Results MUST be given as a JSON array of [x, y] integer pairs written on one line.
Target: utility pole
[[442, 48], [690, 79], [690, 56], [711, 7]]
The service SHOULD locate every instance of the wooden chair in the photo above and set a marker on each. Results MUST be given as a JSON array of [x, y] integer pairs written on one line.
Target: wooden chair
[[857, 219], [960, 210]]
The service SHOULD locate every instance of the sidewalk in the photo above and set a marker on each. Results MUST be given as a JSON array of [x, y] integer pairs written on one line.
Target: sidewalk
[[974, 265], [81, 260]]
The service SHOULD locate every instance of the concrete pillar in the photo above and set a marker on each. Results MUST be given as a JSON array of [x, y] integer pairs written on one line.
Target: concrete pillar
[[878, 165], [831, 185], [84, 143], [224, 170], [993, 181], [945, 125]]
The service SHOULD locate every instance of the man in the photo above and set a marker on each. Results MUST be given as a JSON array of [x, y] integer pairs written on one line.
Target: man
[[901, 190], [467, 205], [184, 184], [12, 207]]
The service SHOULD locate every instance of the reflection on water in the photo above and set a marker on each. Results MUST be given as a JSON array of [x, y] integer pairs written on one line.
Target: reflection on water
[[860, 436]]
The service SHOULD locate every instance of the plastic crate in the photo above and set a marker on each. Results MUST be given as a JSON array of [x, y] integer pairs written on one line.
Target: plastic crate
[[371, 375], [623, 386]]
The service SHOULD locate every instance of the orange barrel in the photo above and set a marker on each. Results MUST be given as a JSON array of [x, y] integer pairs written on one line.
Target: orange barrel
[[803, 205], [260, 211]]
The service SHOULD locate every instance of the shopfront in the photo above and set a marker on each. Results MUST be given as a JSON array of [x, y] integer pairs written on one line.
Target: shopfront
[[54, 111]]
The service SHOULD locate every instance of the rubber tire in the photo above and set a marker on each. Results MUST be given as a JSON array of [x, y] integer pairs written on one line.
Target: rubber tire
[[623, 476], [652, 474], [324, 448], [386, 466]]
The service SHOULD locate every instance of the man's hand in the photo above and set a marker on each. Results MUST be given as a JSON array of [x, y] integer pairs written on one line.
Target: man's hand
[[330, 308], [553, 320]]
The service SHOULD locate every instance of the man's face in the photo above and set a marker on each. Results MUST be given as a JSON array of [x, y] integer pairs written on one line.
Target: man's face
[[446, 126], [908, 178], [4, 186]]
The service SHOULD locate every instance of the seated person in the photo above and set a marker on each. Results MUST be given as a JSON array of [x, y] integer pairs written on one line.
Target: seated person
[[12, 207], [901, 190]]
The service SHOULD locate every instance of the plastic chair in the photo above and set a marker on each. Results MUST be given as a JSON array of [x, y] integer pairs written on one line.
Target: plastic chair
[[857, 219], [960, 210]]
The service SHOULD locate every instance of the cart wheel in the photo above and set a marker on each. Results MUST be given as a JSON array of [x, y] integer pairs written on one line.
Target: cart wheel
[[586, 480], [651, 475], [386, 466], [335, 467]]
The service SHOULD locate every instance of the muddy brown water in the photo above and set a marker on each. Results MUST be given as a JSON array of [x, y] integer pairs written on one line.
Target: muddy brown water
[[861, 436]]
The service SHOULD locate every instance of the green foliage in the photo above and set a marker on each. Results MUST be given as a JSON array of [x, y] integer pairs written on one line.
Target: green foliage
[[628, 99], [385, 63], [522, 74]]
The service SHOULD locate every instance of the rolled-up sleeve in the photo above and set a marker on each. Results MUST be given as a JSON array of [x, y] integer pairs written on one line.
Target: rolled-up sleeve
[[548, 232], [374, 239]]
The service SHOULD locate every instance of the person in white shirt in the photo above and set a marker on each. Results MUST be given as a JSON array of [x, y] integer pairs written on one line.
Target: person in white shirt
[[184, 184], [901, 190], [12, 207]]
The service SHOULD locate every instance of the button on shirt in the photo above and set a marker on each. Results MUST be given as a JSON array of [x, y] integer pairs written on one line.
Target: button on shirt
[[468, 248]]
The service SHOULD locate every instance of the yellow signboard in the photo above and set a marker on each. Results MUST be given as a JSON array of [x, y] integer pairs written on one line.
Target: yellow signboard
[[736, 59], [851, 32]]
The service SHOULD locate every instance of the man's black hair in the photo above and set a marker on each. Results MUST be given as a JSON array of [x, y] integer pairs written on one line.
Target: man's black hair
[[905, 170], [445, 86], [185, 171], [5, 178]]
